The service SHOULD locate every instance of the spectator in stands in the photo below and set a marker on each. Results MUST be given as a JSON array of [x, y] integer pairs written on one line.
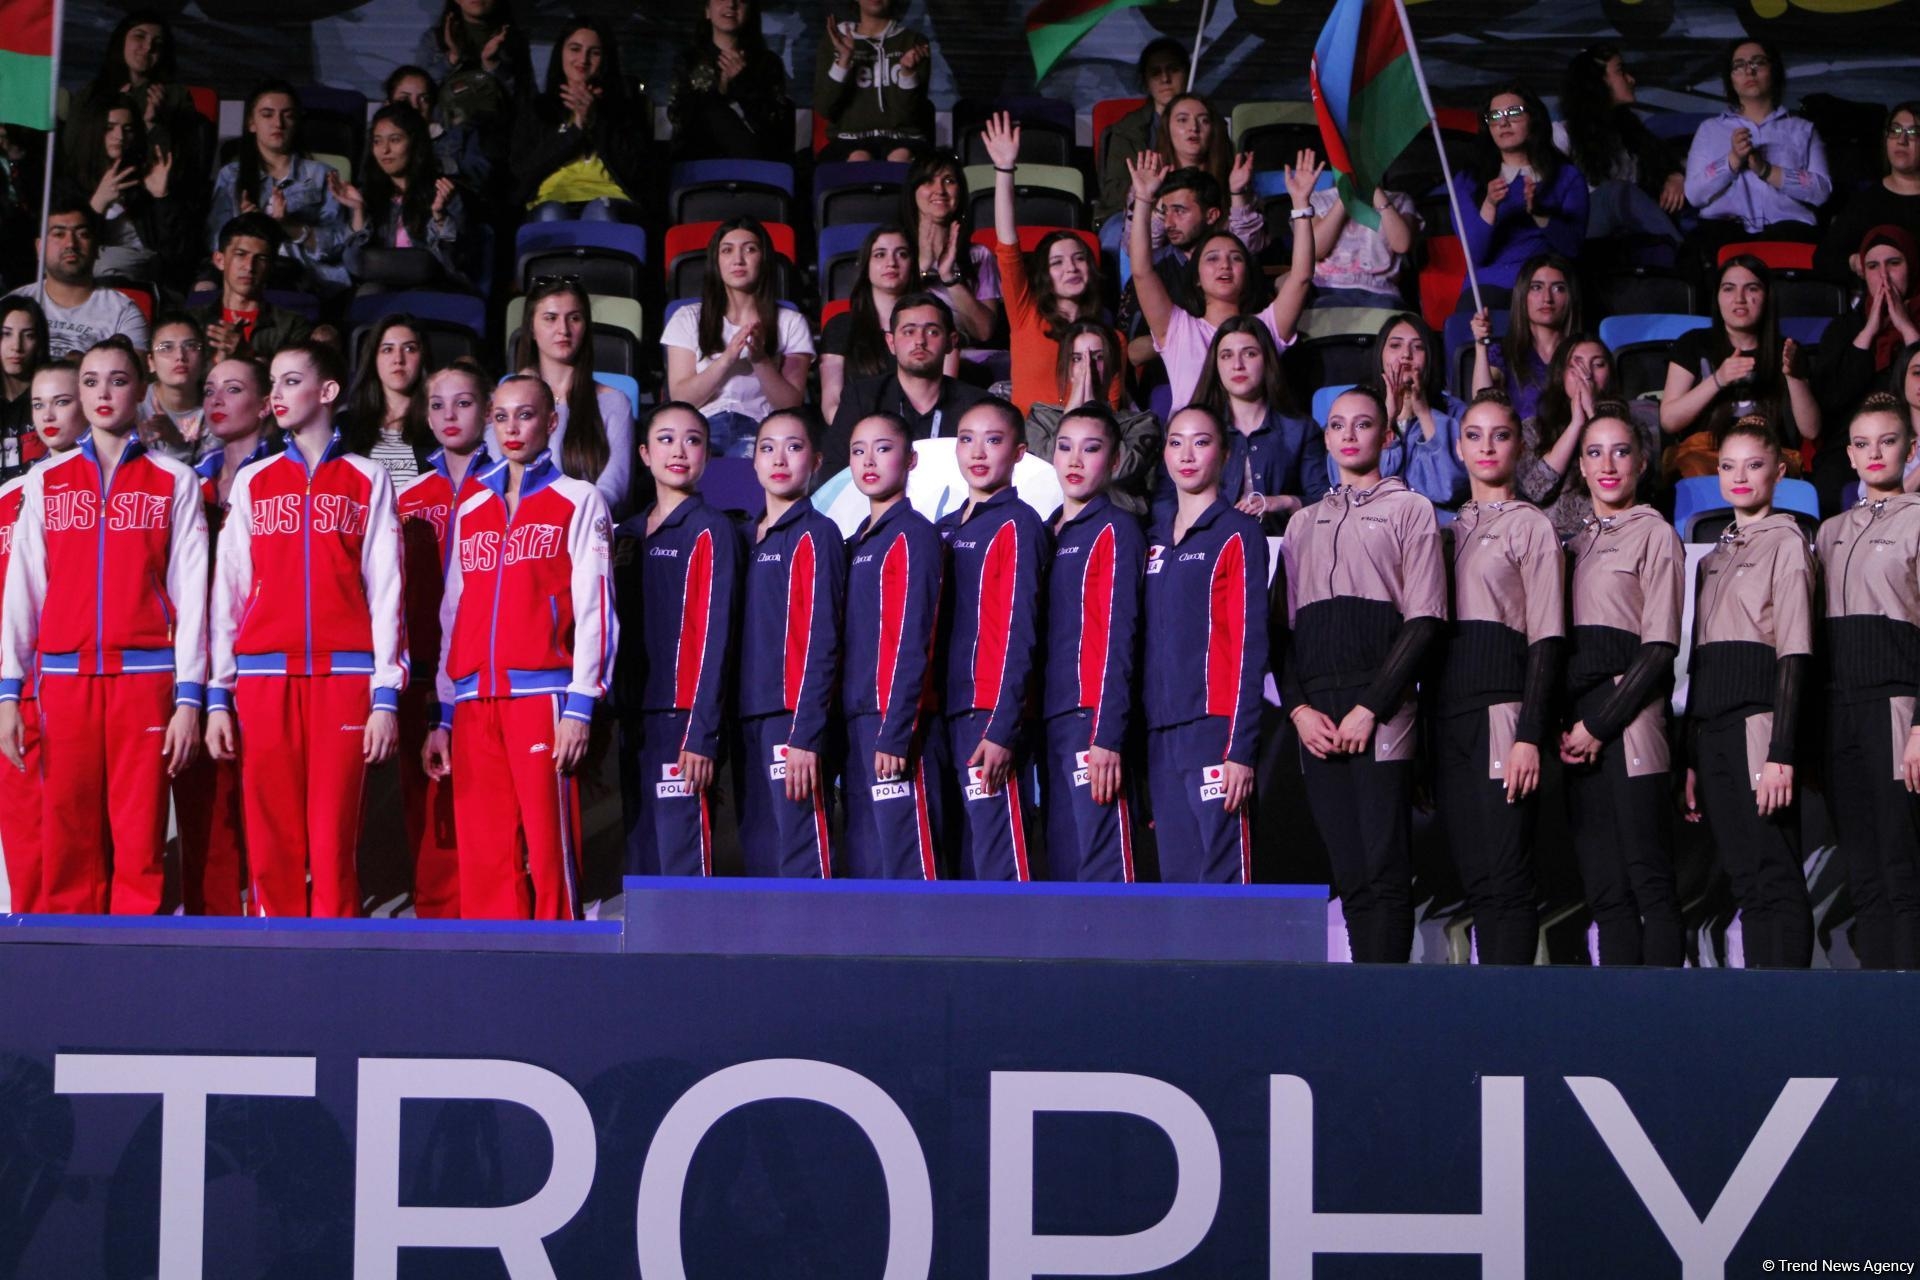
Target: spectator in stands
[[1903, 380], [1858, 351], [1409, 376], [1163, 70], [79, 312], [918, 391], [146, 234], [139, 65], [1894, 201], [402, 201], [1244, 217], [729, 97], [1528, 199], [23, 348], [1636, 185], [1088, 353], [241, 323], [387, 408], [478, 57], [934, 210], [173, 415], [1276, 455], [1195, 136], [1755, 172], [457, 148], [1580, 377], [859, 62], [1737, 368], [1188, 205], [1224, 279], [271, 175], [1543, 310], [737, 354], [1061, 285], [593, 436], [1356, 265], [580, 148], [853, 345]]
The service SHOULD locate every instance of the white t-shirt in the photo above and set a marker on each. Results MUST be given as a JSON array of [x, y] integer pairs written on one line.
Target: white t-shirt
[[107, 312], [740, 393]]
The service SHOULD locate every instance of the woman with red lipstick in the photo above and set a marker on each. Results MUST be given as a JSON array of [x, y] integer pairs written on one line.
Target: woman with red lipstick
[[207, 797], [1045, 292], [1205, 661], [1092, 630], [1223, 277], [386, 418], [1737, 368], [1366, 598], [1625, 604], [1870, 563], [1752, 653], [676, 579], [737, 354], [1497, 683], [458, 403], [796, 587], [105, 610], [853, 345], [307, 641], [593, 432], [1581, 376]]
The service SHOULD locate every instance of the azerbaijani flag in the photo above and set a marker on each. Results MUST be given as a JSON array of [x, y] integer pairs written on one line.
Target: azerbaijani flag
[[1055, 26], [1367, 95], [26, 63]]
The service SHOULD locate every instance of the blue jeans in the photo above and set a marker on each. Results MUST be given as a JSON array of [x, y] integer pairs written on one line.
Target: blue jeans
[[730, 434]]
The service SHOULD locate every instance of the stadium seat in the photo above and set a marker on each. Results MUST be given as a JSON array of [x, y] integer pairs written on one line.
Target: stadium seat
[[141, 296], [1781, 255], [1341, 358], [335, 161], [1457, 335], [1047, 129], [617, 329], [1671, 126], [625, 385], [1030, 238], [1273, 182], [1326, 322], [679, 303], [686, 252], [1639, 345], [1275, 132], [1106, 113], [1805, 330], [1323, 399], [1044, 194], [445, 343], [1700, 514], [862, 191], [840, 259], [1805, 295], [617, 254], [713, 190], [333, 120], [398, 268], [828, 310], [1632, 291], [1694, 499], [206, 102], [461, 310]]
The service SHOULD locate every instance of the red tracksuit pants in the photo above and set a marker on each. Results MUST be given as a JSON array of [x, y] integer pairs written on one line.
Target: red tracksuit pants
[[213, 852], [520, 817], [105, 792], [428, 806], [303, 764], [20, 792]]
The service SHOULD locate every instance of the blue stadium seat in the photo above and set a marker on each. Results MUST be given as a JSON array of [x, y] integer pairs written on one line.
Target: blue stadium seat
[[1273, 182], [1694, 499], [1805, 330], [462, 309], [714, 190], [1798, 497], [1458, 340], [627, 386], [1323, 400], [862, 191], [1700, 513], [540, 248], [1639, 346], [839, 254]]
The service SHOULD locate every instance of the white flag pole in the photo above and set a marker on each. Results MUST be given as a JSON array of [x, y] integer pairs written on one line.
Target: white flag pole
[[1199, 38], [53, 130], [1439, 143]]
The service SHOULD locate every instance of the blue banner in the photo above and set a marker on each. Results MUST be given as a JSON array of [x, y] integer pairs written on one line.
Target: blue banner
[[304, 1112]]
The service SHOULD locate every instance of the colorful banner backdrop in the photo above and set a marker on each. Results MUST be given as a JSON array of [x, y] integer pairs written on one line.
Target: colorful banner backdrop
[[1055, 26], [26, 63], [1367, 97]]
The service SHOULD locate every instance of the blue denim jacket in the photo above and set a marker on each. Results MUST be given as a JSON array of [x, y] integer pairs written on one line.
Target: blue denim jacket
[[308, 202]]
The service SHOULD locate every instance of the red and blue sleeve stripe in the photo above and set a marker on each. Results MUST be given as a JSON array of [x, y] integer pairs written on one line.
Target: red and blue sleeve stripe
[[1237, 642]]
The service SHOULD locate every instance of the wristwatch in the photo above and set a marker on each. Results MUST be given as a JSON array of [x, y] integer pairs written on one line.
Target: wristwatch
[[1294, 215]]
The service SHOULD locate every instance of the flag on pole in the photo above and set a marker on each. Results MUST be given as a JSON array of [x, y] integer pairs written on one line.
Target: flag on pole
[[1055, 26], [1366, 93], [26, 63]]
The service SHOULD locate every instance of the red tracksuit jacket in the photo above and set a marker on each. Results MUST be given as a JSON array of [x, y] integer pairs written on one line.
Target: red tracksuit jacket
[[687, 574], [796, 590], [996, 573], [12, 495], [426, 514], [308, 576], [110, 580], [528, 607], [893, 608], [1093, 619]]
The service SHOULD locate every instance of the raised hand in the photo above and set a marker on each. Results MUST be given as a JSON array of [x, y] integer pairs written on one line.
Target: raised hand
[[492, 51], [1002, 138], [116, 179], [160, 174], [914, 58], [442, 195], [1302, 176], [1482, 324], [1496, 192], [345, 192], [1240, 181], [842, 44], [155, 94], [1147, 171], [731, 64], [1790, 360]]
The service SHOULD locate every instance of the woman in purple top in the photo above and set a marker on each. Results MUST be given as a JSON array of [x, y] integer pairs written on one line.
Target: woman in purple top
[[1521, 197]]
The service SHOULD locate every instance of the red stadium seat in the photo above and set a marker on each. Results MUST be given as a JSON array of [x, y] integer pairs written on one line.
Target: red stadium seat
[[1105, 113], [1442, 279], [832, 309], [205, 101], [1030, 238], [1457, 119], [1781, 255], [819, 133], [142, 298], [686, 247]]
